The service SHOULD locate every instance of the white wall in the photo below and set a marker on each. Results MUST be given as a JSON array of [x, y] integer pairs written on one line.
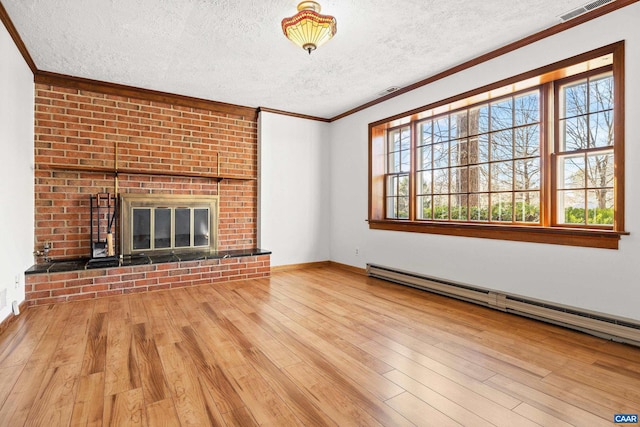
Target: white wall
[[294, 189], [16, 170], [596, 279]]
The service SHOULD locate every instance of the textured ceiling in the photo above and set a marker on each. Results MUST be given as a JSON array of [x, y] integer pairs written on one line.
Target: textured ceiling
[[234, 51]]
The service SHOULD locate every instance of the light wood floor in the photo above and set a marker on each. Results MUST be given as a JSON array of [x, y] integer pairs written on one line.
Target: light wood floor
[[311, 347]]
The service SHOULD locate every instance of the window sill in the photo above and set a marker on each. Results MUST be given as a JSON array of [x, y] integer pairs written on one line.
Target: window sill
[[603, 239]]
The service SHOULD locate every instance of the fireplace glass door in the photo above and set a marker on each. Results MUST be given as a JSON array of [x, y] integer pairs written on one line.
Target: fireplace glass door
[[167, 224], [162, 228], [170, 228]]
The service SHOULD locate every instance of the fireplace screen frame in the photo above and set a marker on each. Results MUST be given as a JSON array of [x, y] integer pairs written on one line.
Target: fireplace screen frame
[[131, 202]]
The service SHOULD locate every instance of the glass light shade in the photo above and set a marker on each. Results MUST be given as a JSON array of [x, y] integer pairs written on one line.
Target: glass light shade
[[307, 28]]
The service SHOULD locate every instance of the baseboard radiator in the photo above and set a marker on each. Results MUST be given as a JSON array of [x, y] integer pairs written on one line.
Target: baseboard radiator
[[598, 324]]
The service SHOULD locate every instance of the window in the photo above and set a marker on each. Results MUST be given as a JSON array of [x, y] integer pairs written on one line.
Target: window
[[532, 158], [398, 155], [482, 163], [585, 151]]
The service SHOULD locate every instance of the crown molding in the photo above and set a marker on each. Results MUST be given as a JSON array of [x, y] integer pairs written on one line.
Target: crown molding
[[581, 19], [55, 79], [287, 113], [46, 77], [4, 17]]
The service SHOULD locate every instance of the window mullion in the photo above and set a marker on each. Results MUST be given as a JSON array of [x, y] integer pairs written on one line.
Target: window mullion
[[618, 141], [412, 171], [396, 210], [549, 136], [513, 161]]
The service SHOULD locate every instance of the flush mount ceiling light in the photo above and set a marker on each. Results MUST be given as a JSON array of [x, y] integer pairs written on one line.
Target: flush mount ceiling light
[[307, 28]]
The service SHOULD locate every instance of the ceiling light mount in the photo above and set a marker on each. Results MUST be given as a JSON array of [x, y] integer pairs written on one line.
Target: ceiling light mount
[[308, 28]]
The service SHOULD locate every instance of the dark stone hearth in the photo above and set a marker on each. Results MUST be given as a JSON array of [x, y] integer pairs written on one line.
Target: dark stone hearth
[[58, 266]]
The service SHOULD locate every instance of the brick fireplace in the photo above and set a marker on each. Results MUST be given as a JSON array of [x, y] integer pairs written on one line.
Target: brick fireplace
[[91, 140]]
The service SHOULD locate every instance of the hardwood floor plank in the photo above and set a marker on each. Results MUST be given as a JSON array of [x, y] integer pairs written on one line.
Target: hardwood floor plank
[[590, 399], [240, 417], [362, 396], [210, 373], [600, 379], [210, 296], [189, 301], [213, 411], [419, 412], [539, 417], [9, 377], [163, 413], [72, 343], [526, 355], [454, 381], [555, 346], [176, 314], [546, 403], [16, 407], [264, 403], [331, 398], [454, 411], [53, 404], [23, 337], [492, 359], [154, 386], [335, 318], [163, 330], [620, 351], [88, 407], [96, 348], [255, 334], [55, 327], [587, 396], [374, 299], [620, 367], [387, 324], [330, 336], [480, 406], [251, 345], [192, 406], [125, 409], [121, 369], [383, 321], [355, 369], [15, 330], [303, 409], [341, 325], [234, 299], [137, 309], [434, 359], [227, 355]]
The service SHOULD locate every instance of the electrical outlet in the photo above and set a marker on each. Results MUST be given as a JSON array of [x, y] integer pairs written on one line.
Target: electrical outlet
[[357, 251], [48, 245], [17, 281], [15, 307]]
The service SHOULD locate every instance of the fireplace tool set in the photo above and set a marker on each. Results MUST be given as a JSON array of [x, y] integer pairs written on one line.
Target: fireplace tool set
[[104, 207]]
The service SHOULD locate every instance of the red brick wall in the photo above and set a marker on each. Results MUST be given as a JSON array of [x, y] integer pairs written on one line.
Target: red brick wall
[[87, 284], [77, 128]]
